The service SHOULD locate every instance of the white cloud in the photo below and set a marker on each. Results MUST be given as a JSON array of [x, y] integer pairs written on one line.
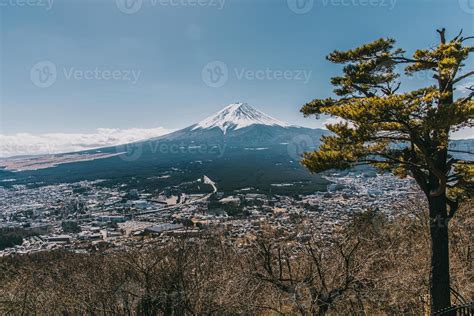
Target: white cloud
[[53, 143], [465, 133]]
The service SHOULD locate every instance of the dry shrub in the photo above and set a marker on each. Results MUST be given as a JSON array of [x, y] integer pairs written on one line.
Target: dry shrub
[[377, 265]]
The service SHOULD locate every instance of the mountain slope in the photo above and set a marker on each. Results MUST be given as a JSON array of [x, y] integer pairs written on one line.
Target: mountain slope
[[237, 147]]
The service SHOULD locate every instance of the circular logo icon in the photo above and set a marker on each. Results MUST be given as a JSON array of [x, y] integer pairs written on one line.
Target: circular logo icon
[[299, 145], [300, 6], [130, 152], [467, 6], [129, 6], [43, 74], [215, 74]]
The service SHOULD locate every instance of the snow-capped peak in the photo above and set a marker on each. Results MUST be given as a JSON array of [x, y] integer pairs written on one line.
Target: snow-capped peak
[[238, 115]]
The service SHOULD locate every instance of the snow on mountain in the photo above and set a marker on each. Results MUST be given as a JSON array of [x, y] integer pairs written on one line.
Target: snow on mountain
[[236, 116]]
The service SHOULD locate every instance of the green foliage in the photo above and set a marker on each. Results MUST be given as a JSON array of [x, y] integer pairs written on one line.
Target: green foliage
[[10, 237], [408, 132]]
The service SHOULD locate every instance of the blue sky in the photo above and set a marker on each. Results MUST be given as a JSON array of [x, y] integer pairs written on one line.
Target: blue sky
[[145, 69]]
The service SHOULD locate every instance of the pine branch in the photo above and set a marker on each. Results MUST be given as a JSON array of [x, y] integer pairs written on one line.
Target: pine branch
[[467, 75]]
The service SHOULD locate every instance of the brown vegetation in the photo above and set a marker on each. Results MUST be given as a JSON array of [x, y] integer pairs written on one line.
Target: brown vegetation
[[376, 265]]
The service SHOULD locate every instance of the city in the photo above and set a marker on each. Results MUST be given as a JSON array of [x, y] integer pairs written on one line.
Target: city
[[84, 215]]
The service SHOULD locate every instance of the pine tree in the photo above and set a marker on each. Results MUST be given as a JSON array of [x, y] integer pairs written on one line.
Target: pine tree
[[405, 132]]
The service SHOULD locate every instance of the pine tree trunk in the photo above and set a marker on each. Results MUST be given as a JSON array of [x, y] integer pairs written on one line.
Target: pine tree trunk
[[440, 279]]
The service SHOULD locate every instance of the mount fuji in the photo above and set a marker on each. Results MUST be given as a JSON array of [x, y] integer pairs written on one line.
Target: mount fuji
[[238, 147], [237, 116], [240, 125]]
